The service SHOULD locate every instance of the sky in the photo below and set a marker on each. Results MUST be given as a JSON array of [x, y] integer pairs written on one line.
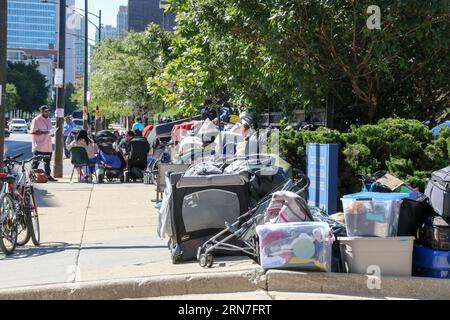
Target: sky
[[109, 11]]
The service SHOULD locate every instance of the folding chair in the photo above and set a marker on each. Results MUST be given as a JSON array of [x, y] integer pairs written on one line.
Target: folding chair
[[79, 159]]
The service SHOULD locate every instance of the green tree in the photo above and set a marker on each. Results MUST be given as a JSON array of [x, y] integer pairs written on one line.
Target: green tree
[[122, 66], [296, 53], [31, 85], [12, 97]]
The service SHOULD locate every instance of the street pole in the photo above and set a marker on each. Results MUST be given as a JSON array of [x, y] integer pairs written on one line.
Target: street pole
[[3, 24], [60, 93], [86, 67], [99, 26], [97, 112]]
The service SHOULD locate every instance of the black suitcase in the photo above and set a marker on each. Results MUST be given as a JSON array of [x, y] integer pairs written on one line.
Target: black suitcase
[[438, 191], [435, 233]]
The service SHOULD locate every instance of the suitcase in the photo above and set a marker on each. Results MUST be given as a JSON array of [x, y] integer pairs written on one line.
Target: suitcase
[[438, 191], [435, 233]]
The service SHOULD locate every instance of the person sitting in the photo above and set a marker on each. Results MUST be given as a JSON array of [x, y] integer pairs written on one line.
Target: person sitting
[[82, 140], [138, 125]]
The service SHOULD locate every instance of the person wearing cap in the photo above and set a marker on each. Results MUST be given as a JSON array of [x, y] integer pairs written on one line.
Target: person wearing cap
[[41, 139], [69, 125]]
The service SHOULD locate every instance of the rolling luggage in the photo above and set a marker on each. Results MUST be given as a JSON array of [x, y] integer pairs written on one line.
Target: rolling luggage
[[435, 233], [438, 191]]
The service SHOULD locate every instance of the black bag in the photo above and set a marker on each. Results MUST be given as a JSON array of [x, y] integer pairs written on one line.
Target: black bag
[[435, 233], [412, 215], [438, 191]]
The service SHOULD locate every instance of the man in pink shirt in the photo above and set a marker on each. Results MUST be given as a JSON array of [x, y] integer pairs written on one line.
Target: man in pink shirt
[[41, 138]]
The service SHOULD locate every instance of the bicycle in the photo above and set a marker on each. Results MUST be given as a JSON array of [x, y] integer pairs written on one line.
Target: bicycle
[[19, 219]]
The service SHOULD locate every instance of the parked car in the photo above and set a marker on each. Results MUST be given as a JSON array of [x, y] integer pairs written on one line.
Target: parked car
[[18, 125]]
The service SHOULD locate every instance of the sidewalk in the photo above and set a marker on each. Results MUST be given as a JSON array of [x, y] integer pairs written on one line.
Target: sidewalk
[[99, 241], [97, 232]]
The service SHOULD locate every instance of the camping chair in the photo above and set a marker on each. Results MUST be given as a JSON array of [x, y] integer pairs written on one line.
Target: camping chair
[[79, 159]]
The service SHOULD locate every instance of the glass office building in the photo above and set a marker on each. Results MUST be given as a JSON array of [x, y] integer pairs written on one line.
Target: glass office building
[[32, 25]]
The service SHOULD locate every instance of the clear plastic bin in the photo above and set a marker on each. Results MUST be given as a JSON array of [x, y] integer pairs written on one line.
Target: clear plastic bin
[[372, 214], [302, 246]]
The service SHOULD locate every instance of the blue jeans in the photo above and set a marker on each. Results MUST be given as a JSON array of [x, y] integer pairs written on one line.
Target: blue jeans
[[92, 163]]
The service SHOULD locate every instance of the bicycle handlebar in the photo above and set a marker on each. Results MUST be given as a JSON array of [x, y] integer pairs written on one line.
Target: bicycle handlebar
[[23, 162]]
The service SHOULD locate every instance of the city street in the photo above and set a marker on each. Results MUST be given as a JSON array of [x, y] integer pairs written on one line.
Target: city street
[[18, 143]]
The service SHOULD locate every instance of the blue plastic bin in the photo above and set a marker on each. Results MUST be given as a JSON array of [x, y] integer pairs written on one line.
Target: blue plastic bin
[[430, 263], [372, 214]]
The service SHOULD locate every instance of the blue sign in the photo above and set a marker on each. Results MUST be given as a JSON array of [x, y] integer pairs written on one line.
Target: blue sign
[[322, 171]]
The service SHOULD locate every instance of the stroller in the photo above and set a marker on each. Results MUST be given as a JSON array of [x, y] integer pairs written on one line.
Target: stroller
[[110, 162], [243, 230], [137, 149]]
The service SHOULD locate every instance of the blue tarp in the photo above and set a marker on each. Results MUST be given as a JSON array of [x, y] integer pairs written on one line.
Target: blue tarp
[[435, 130]]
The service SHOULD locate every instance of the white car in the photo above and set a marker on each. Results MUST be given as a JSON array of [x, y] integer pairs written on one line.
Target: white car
[[79, 123], [18, 125]]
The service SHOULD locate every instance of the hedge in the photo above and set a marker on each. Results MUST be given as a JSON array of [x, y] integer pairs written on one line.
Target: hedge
[[403, 147]]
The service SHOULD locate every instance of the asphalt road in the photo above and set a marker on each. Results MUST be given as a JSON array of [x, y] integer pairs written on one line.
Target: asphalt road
[[21, 143], [18, 143]]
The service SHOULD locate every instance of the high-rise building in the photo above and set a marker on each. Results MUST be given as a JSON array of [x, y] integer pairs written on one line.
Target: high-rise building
[[70, 69], [108, 31], [122, 21], [79, 52], [143, 12], [32, 25]]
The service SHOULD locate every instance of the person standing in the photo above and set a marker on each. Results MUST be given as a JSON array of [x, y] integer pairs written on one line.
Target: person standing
[[41, 138], [138, 125], [69, 125]]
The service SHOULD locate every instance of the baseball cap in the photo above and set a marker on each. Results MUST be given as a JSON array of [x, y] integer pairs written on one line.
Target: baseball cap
[[43, 108]]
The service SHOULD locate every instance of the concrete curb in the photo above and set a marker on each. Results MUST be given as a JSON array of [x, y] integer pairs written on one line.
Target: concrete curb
[[358, 285], [238, 281], [227, 282]]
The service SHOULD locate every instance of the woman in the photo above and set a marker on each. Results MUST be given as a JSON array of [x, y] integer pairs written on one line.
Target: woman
[[91, 148]]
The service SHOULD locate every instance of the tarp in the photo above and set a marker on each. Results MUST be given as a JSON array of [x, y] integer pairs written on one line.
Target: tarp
[[435, 130]]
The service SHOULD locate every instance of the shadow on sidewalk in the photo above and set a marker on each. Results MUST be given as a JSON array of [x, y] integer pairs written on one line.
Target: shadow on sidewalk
[[58, 247]]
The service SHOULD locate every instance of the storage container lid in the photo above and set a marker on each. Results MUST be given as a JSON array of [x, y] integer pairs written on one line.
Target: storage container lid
[[377, 196], [375, 239]]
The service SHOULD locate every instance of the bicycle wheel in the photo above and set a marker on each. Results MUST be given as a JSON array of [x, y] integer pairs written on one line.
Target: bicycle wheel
[[32, 218], [8, 224], [23, 234]]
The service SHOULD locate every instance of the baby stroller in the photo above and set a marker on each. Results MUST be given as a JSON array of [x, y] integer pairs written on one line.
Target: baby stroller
[[137, 149], [110, 162], [243, 230]]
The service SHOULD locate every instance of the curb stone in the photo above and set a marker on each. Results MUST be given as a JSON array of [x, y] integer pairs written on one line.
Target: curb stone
[[236, 281], [229, 282], [357, 285]]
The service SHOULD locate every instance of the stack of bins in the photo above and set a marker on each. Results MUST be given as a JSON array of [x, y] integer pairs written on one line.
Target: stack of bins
[[432, 257], [372, 244]]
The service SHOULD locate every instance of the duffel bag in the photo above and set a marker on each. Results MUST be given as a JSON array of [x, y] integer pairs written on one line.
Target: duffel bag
[[412, 215], [38, 176], [438, 191]]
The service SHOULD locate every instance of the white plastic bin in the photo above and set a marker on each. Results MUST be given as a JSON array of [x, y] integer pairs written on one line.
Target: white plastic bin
[[296, 245], [372, 214], [389, 256]]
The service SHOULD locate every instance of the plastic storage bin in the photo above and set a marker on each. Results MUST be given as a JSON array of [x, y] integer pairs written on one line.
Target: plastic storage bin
[[297, 245], [430, 263], [391, 256], [372, 214]]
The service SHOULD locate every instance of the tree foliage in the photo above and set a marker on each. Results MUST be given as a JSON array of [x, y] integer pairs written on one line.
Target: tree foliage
[[118, 84], [285, 54], [12, 97], [30, 84]]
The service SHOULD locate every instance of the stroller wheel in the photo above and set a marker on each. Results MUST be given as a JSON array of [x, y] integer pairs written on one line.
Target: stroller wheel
[[206, 260]]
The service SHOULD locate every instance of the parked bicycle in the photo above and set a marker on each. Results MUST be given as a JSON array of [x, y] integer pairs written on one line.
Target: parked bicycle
[[19, 219]]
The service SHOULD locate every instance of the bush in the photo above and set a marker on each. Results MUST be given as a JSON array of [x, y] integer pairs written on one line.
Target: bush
[[403, 147]]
